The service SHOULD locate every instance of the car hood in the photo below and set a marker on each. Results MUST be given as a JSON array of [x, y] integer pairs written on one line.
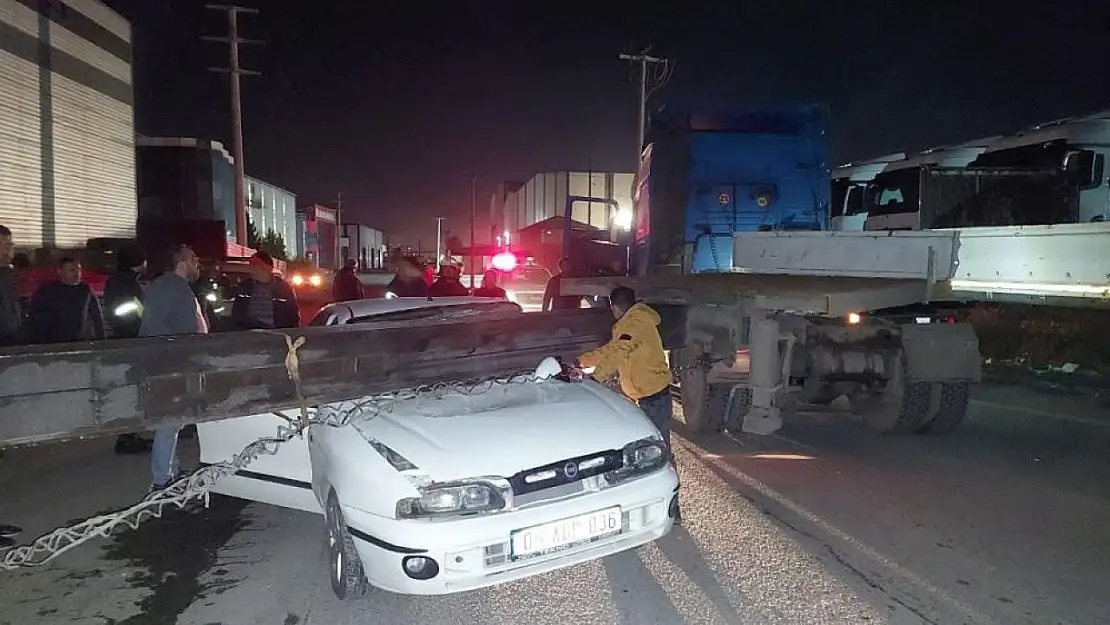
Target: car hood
[[506, 429]]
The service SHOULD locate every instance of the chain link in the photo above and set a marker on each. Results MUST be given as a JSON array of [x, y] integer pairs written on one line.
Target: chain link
[[199, 484]]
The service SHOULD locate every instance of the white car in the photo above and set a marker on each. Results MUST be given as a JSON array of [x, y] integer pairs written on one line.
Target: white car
[[461, 491]]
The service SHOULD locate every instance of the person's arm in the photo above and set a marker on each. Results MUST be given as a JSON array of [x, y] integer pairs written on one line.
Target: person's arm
[[608, 358], [96, 315], [547, 295]]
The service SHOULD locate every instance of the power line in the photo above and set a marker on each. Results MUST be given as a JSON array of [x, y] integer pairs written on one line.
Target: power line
[[234, 71]]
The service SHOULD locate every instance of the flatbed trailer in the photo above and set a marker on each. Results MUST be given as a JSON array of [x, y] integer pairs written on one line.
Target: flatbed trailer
[[794, 303]]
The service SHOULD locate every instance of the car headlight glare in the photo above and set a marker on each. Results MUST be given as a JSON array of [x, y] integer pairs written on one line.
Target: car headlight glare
[[641, 457], [390, 295], [211, 297], [127, 308], [298, 280], [316, 280], [456, 498]]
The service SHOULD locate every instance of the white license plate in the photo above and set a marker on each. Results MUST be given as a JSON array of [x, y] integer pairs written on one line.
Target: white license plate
[[565, 534]]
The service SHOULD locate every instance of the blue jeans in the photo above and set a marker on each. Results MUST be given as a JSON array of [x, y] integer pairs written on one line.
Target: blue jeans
[[658, 408], [163, 456]]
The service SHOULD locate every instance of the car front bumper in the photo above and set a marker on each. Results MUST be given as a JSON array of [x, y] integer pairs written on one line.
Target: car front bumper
[[474, 552]]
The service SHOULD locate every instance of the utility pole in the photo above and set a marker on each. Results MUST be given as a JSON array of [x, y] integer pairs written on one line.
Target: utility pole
[[648, 85], [234, 71], [338, 228], [473, 209]]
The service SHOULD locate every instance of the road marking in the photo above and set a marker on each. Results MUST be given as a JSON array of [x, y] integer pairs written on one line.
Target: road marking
[[797, 443], [833, 531], [1047, 414]]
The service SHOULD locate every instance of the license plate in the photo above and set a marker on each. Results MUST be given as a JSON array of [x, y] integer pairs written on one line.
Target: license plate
[[565, 534]]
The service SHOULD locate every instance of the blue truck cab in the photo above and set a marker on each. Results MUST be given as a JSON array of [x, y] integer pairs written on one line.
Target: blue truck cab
[[704, 176]]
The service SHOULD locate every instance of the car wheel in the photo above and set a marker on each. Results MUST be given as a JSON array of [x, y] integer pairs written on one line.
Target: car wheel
[[348, 580]]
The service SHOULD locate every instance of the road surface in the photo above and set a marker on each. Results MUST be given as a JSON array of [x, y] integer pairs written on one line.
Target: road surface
[[1008, 522]]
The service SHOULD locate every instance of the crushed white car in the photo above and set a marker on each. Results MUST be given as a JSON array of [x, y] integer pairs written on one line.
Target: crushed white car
[[462, 489]]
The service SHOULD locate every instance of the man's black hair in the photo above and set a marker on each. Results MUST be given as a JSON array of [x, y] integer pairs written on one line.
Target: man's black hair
[[622, 297], [5, 231], [65, 260]]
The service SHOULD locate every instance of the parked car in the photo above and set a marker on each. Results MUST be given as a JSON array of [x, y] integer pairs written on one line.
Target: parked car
[[462, 490]]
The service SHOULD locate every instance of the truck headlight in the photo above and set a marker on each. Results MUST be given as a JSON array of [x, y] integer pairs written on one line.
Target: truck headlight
[[641, 457], [456, 498], [298, 280], [315, 280]]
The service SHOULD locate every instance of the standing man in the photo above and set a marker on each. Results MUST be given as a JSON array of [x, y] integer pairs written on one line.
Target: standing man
[[636, 355], [552, 298], [11, 322], [347, 287], [11, 313], [448, 284], [123, 301], [171, 309], [410, 280], [65, 311], [489, 286], [264, 301]]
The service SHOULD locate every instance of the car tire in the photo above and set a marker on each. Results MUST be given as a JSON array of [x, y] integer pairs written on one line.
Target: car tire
[[348, 579]]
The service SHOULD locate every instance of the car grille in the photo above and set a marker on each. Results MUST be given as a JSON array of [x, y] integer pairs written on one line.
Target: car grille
[[565, 472]]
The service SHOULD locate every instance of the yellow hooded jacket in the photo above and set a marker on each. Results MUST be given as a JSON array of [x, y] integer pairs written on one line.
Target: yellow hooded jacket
[[635, 353]]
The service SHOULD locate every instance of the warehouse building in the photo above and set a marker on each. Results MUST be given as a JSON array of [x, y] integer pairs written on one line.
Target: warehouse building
[[545, 196], [271, 208], [67, 135]]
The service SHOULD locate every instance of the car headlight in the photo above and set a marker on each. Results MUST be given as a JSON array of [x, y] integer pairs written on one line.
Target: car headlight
[[641, 457], [456, 498], [298, 279], [390, 295], [316, 280]]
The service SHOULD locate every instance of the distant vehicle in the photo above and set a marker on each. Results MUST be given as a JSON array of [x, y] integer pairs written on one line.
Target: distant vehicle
[[464, 490]]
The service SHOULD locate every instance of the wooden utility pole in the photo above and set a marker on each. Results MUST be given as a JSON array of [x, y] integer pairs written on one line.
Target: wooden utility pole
[[234, 71]]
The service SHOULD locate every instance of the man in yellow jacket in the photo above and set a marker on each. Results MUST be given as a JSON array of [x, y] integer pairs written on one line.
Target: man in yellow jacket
[[636, 355]]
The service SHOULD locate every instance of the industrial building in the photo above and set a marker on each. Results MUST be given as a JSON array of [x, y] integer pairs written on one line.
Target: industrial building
[[186, 178], [321, 235], [67, 135], [271, 208], [545, 196], [365, 245]]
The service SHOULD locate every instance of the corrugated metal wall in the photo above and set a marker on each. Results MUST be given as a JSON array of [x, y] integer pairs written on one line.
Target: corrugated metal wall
[[67, 143], [545, 196], [273, 208]]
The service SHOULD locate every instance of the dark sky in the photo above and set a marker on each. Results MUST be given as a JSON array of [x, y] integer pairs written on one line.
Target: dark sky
[[396, 104]]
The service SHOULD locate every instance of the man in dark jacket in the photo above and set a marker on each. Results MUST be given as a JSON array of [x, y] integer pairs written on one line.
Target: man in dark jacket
[[489, 286], [448, 284], [347, 286], [409, 281], [264, 300], [552, 295], [11, 312], [65, 311], [123, 301], [123, 295]]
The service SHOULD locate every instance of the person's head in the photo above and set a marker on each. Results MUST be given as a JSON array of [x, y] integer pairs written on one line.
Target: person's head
[[262, 267], [564, 266], [449, 272], [185, 263], [489, 278], [620, 300], [7, 246], [351, 264], [69, 271]]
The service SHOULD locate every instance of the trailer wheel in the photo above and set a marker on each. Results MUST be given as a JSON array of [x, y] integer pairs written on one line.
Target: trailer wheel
[[951, 400], [902, 408], [703, 404]]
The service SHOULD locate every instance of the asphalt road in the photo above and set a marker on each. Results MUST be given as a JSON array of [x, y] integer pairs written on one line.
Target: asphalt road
[[1007, 522]]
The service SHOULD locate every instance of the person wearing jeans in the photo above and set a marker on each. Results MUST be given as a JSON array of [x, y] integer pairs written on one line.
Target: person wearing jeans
[[170, 308]]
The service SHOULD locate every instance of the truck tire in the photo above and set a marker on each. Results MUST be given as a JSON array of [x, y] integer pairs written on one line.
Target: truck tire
[[700, 404], [950, 400], [904, 406]]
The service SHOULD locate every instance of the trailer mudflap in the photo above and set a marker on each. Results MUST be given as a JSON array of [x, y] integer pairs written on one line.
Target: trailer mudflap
[[942, 352]]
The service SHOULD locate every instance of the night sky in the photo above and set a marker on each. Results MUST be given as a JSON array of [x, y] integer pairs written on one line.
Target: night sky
[[396, 104]]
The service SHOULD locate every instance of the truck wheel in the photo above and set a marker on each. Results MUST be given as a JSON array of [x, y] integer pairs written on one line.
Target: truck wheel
[[951, 400], [903, 408], [703, 404], [348, 580]]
